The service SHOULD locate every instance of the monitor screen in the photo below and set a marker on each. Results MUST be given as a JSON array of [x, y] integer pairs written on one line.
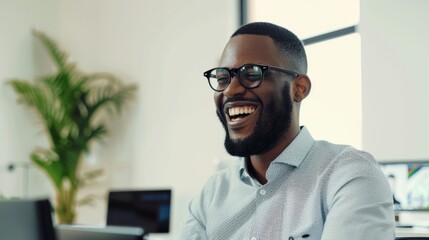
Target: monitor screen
[[148, 209], [409, 182]]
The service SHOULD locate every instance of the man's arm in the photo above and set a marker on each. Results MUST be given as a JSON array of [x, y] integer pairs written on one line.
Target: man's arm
[[192, 228], [360, 203]]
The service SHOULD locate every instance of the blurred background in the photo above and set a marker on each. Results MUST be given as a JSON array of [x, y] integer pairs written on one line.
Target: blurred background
[[367, 63]]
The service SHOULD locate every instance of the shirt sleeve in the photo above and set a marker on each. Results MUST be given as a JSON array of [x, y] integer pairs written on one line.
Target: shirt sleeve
[[359, 201]]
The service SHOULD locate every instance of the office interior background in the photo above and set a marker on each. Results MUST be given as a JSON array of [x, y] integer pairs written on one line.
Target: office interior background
[[369, 86]]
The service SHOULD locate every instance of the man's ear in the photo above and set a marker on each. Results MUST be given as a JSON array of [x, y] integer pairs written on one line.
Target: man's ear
[[302, 85]]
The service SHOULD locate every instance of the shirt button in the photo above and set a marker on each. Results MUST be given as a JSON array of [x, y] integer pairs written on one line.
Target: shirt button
[[253, 238], [263, 192]]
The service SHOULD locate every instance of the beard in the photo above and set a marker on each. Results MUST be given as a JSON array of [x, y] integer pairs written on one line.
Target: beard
[[273, 122]]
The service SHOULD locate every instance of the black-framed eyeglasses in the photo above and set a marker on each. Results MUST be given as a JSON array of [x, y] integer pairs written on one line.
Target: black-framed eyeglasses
[[250, 75]]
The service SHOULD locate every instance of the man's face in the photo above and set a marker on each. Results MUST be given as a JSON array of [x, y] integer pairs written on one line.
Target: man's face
[[267, 108]]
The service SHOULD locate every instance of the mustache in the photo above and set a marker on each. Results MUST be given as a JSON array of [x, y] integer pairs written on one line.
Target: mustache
[[238, 98]]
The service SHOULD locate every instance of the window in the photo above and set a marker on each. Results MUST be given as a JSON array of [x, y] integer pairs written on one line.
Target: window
[[333, 110]]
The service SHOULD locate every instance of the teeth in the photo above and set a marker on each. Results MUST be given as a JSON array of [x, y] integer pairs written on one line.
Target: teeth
[[240, 110]]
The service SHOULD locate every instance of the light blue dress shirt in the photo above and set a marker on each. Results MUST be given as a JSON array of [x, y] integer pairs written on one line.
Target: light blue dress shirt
[[315, 190]]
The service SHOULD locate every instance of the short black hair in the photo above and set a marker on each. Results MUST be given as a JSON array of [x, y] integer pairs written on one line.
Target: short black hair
[[286, 41]]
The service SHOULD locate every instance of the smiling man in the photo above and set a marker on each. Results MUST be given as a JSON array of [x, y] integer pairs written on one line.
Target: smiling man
[[286, 185]]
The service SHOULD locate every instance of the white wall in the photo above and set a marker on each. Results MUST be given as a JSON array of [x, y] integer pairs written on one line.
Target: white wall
[[170, 136], [395, 81], [395, 78], [21, 58]]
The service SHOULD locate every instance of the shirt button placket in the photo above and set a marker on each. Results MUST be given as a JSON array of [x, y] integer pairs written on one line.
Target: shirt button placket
[[260, 192]]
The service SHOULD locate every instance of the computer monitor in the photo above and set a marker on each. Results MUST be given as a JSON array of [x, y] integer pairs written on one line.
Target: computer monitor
[[409, 181], [26, 219], [148, 209]]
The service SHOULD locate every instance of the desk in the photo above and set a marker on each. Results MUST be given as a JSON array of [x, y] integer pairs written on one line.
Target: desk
[[412, 232]]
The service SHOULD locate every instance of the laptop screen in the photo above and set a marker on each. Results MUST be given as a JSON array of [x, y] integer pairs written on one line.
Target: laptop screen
[[148, 209]]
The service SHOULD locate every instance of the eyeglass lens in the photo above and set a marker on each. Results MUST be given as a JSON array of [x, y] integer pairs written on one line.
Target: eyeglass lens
[[250, 76]]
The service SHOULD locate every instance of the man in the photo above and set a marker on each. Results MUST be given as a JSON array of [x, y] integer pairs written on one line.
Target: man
[[286, 185]]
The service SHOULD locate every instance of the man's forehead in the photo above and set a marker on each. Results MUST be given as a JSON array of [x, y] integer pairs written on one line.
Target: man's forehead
[[249, 48]]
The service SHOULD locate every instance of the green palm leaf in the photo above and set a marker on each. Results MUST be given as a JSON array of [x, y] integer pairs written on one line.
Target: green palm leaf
[[67, 102], [58, 56]]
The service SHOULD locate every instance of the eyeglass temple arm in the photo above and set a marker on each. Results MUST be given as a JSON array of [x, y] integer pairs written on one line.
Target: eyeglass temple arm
[[295, 74]]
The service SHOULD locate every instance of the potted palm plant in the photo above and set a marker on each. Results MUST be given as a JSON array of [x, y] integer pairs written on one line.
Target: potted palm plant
[[71, 106]]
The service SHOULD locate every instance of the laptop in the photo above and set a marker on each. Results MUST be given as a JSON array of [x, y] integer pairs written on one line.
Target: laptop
[[32, 220], [148, 209], [26, 219], [82, 232]]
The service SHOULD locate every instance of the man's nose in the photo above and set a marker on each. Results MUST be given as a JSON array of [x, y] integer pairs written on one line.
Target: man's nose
[[234, 88]]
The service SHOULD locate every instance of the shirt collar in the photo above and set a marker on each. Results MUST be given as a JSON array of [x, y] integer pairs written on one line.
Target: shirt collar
[[293, 155], [244, 173], [297, 150]]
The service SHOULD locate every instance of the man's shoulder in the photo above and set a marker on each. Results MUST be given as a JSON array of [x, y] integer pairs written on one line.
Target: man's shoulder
[[340, 151], [333, 157], [342, 163], [218, 184], [229, 171]]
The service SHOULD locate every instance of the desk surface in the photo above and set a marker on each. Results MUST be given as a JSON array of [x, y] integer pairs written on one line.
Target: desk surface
[[412, 232]]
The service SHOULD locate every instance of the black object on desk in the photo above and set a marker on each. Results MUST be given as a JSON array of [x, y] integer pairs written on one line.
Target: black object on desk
[[26, 219], [412, 238]]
